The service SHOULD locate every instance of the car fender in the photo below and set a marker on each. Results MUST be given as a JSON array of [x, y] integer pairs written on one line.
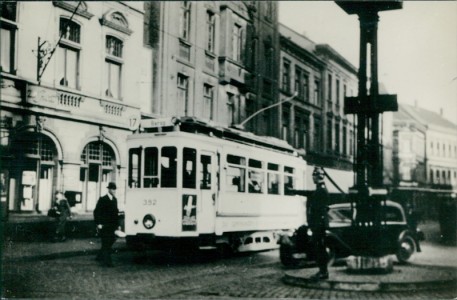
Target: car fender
[[330, 236]]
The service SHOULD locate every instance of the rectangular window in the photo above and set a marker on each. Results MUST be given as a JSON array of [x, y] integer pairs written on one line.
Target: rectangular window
[[68, 53], [337, 137], [237, 42], [286, 76], [134, 167], [151, 167], [338, 92], [208, 102], [68, 67], [317, 92], [351, 142], [236, 174], [113, 66], [285, 126], [298, 85], [168, 167], [7, 49], [305, 87], [189, 170], [329, 85], [256, 176], [210, 29], [329, 136], [345, 141], [306, 130], [289, 182], [113, 79], [184, 23], [183, 94], [273, 179]]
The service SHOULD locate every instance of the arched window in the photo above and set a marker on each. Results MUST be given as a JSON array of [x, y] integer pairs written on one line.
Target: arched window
[[98, 165]]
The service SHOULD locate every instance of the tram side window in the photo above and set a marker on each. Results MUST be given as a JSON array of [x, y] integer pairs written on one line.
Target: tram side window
[[168, 167], [289, 182], [273, 179], [205, 176], [134, 167], [151, 167], [188, 168], [236, 174], [256, 176]]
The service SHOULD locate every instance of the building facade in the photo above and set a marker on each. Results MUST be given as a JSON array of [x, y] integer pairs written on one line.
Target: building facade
[[73, 78], [424, 149], [215, 60], [313, 120]]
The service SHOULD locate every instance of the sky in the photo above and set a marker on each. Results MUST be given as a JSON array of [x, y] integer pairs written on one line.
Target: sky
[[417, 46]]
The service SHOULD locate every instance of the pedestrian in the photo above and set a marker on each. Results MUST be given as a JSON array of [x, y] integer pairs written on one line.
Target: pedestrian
[[106, 217], [63, 212], [316, 213]]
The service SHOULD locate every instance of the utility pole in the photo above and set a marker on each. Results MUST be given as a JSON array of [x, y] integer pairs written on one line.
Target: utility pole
[[369, 195]]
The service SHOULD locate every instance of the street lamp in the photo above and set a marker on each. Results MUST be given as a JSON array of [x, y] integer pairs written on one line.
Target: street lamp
[[241, 125]]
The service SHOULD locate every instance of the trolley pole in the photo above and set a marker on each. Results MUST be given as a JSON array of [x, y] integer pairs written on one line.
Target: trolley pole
[[369, 195]]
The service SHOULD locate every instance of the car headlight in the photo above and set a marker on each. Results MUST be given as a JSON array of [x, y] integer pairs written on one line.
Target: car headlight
[[149, 221]]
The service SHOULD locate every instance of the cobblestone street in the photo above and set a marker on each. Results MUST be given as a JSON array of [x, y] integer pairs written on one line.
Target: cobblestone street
[[156, 275]]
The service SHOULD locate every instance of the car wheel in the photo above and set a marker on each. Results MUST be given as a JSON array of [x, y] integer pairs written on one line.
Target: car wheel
[[406, 249], [286, 256]]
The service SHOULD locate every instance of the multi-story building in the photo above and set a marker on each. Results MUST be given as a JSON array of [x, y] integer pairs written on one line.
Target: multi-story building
[[73, 77], [424, 149], [314, 120], [215, 60]]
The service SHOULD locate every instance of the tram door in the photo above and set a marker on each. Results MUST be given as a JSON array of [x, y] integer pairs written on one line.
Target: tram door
[[207, 181]]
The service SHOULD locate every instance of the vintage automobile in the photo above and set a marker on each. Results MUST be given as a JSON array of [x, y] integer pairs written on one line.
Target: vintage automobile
[[404, 237]]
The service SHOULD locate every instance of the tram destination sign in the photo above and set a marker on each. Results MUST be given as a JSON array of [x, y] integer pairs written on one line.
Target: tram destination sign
[[156, 123]]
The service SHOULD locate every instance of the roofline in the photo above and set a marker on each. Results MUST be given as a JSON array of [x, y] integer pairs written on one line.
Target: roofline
[[327, 49]]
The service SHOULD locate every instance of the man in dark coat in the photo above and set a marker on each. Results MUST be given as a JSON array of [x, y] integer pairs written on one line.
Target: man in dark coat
[[316, 212], [106, 217]]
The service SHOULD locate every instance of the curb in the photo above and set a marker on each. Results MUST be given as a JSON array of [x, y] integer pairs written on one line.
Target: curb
[[407, 278], [369, 286]]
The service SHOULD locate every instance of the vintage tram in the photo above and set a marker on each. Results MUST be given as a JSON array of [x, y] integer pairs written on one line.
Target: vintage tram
[[193, 183]]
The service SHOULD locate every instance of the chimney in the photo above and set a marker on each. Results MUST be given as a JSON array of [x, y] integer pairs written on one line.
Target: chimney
[[415, 103], [441, 111]]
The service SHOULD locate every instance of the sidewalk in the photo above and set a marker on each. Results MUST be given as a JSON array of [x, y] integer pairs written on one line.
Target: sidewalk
[[13, 250]]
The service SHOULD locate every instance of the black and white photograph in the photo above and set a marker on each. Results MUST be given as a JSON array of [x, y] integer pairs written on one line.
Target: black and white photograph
[[228, 149]]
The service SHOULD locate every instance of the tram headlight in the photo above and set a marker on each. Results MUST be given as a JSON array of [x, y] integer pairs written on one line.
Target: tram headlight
[[149, 221]]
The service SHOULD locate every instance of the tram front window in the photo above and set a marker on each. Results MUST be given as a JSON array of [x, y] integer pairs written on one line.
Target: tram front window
[[188, 168], [151, 166], [168, 167]]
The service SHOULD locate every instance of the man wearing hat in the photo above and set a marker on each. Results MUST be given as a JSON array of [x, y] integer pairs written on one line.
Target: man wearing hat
[[316, 213], [106, 217]]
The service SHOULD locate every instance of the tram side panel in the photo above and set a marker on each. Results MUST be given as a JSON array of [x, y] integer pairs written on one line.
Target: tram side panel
[[243, 208]]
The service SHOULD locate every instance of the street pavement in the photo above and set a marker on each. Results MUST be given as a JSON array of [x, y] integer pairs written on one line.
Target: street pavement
[[434, 267]]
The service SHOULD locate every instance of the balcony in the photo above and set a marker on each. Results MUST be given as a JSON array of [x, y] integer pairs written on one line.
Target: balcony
[[230, 70], [79, 106]]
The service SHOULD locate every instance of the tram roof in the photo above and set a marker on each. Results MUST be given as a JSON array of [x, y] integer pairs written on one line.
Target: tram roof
[[198, 126]]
